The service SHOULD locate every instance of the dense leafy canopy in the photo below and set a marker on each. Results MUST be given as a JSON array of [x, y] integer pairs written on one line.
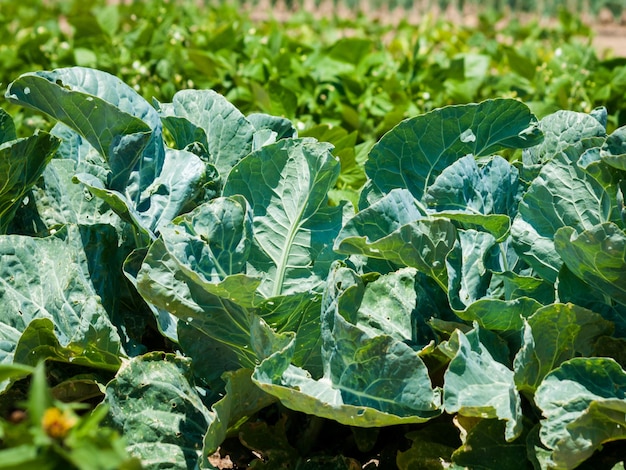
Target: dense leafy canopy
[[467, 282]]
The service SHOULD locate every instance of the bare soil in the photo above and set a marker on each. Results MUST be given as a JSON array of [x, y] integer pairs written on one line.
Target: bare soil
[[609, 34], [610, 40]]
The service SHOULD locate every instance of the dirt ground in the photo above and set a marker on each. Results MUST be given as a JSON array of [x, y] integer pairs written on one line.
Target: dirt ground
[[609, 32], [610, 38]]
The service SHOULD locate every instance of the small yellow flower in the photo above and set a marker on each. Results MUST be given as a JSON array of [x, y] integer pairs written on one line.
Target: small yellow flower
[[57, 423]]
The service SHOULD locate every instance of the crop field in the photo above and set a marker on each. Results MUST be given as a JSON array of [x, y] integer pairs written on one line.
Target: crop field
[[313, 234]]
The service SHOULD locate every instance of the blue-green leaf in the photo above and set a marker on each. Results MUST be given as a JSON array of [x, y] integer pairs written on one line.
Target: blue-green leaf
[[154, 403], [561, 130], [492, 188], [470, 265], [213, 241], [286, 184], [561, 195], [180, 180], [417, 150], [477, 385], [111, 116], [500, 315], [22, 162], [369, 379], [584, 406], [613, 151], [53, 288], [217, 309], [227, 133], [395, 230], [552, 335], [597, 256]]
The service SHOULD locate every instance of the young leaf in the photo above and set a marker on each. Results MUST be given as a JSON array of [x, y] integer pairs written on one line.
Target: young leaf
[[470, 264], [613, 151], [561, 130], [280, 126], [499, 315], [485, 196], [213, 241], [492, 188], [395, 230]]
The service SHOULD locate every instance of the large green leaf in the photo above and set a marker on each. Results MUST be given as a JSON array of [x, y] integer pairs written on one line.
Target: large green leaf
[[60, 201], [52, 286], [227, 133], [499, 315], [207, 245], [154, 403], [553, 335], [475, 384], [470, 264], [584, 407], [483, 194], [286, 184], [22, 162], [7, 127], [561, 195], [482, 197], [417, 150], [370, 380], [281, 127], [180, 180], [196, 271], [561, 130], [111, 116], [213, 241], [394, 229], [597, 256], [213, 308]]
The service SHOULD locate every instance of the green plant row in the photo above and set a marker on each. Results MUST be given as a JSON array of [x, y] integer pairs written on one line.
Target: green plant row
[[360, 76], [180, 265]]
